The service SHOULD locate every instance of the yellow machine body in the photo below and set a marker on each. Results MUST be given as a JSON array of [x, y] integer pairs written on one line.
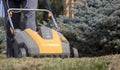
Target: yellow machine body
[[51, 46]]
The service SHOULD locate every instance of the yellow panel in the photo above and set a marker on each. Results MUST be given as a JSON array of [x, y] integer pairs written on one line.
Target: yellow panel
[[63, 38], [46, 46]]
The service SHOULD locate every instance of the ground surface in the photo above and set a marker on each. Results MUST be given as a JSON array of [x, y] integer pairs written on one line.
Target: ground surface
[[109, 62]]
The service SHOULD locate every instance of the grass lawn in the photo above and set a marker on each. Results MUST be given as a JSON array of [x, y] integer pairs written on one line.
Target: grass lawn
[[110, 62]]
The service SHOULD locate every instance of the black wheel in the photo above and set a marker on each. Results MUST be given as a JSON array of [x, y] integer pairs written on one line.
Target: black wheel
[[75, 52], [23, 52], [19, 51], [71, 52]]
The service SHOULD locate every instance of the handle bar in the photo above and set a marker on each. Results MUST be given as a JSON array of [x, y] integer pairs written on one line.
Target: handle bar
[[42, 10]]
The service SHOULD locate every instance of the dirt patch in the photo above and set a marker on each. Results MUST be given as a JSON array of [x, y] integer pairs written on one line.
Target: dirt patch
[[115, 63]]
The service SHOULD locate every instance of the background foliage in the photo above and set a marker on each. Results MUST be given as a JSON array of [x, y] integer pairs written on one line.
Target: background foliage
[[56, 6], [95, 30], [2, 36]]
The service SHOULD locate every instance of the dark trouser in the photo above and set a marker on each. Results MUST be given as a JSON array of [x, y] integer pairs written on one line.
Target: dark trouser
[[29, 20]]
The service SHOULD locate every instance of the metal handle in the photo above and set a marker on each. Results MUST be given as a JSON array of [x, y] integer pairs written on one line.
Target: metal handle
[[42, 10]]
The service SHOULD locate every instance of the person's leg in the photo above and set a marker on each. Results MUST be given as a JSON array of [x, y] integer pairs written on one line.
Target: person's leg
[[16, 21], [29, 16]]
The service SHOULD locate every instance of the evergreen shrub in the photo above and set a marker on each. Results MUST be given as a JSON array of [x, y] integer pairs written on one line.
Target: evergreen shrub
[[95, 28]]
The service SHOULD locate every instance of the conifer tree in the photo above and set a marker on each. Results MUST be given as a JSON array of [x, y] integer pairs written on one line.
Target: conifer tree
[[95, 30]]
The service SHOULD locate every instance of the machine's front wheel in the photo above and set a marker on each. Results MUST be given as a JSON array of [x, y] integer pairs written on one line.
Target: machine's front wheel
[[75, 52], [23, 52], [19, 52]]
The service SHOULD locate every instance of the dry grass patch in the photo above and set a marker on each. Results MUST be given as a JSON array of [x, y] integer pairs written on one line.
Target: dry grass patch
[[85, 63]]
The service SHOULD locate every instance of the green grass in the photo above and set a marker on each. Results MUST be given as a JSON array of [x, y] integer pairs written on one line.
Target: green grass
[[85, 63]]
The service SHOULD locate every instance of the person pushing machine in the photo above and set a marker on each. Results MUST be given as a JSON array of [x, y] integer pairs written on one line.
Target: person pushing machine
[[29, 19]]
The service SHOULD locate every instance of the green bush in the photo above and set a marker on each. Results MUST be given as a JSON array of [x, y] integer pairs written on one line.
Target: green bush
[[95, 30], [56, 6]]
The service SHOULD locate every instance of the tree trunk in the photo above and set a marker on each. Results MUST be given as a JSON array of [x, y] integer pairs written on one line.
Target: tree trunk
[[68, 5]]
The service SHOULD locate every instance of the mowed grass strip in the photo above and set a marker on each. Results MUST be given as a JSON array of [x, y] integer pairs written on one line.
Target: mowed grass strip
[[85, 63]]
